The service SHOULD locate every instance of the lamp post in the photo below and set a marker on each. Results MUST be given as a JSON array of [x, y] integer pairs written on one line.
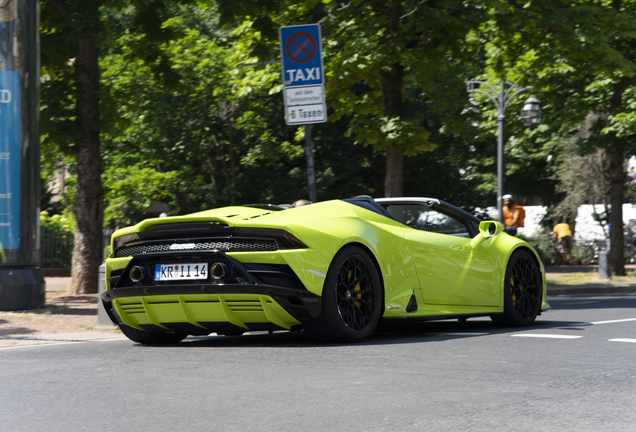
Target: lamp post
[[531, 117]]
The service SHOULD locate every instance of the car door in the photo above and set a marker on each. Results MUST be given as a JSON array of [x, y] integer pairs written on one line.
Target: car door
[[449, 269]]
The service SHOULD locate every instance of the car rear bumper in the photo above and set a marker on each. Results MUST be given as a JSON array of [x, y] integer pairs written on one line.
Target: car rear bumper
[[245, 297], [203, 309]]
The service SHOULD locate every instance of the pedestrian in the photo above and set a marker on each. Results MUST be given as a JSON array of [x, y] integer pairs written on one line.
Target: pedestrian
[[562, 234], [514, 215], [301, 202]]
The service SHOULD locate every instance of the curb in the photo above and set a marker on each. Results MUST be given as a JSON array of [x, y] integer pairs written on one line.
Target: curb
[[58, 338], [607, 288]]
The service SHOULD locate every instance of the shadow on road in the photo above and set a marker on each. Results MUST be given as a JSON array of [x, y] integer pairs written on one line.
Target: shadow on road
[[422, 332], [5, 330], [437, 331]]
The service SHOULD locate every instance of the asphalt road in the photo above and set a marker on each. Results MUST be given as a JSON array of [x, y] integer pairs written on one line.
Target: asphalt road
[[572, 371]]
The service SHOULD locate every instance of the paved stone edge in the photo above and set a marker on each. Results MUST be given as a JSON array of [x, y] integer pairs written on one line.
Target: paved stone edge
[[54, 338]]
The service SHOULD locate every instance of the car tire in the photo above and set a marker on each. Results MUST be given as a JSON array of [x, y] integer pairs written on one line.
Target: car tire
[[151, 338], [523, 291], [351, 299]]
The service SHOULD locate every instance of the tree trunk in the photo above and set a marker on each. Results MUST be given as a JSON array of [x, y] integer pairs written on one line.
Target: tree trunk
[[89, 207], [392, 79], [393, 179], [615, 154], [392, 83]]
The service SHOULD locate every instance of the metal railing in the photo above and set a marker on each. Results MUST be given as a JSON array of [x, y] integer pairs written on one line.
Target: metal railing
[[56, 249], [584, 252]]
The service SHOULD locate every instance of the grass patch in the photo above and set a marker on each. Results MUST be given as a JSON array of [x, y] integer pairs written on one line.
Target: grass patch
[[556, 279]]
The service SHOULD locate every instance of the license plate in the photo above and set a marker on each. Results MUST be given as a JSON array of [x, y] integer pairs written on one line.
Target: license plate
[[181, 271]]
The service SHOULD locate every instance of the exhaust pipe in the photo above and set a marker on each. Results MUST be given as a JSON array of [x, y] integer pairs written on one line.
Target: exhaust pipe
[[219, 270], [138, 274]]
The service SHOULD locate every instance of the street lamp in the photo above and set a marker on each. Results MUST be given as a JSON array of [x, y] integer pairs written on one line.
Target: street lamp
[[531, 117], [531, 114]]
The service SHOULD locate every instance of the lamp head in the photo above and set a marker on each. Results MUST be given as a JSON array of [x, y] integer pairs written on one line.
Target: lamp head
[[531, 114]]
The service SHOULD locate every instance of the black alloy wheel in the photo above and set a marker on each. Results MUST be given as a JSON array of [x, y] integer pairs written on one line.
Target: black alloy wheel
[[352, 299], [355, 293], [523, 291]]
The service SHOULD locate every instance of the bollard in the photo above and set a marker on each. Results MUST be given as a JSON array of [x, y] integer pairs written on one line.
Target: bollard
[[103, 321], [604, 272]]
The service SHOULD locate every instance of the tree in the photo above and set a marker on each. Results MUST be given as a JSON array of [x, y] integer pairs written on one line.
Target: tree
[[198, 134], [582, 55], [79, 23], [376, 52], [207, 141], [583, 179], [72, 33]]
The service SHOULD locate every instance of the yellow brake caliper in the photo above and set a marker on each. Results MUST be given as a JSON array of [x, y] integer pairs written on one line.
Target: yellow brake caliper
[[358, 290], [512, 286]]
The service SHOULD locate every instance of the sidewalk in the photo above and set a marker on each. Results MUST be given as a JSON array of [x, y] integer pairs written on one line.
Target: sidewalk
[[64, 319], [57, 284], [605, 287]]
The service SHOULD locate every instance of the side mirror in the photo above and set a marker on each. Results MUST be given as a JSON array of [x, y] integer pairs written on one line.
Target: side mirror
[[490, 228], [486, 229]]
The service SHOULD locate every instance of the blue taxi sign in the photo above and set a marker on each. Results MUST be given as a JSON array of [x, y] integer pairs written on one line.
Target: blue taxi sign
[[301, 49]]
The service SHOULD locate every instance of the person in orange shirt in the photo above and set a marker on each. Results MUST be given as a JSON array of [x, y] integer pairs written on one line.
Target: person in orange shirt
[[514, 215], [562, 234]]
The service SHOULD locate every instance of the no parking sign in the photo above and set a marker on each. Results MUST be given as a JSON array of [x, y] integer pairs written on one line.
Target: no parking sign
[[303, 74], [301, 55]]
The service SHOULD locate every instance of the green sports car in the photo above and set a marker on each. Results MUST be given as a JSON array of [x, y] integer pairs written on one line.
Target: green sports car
[[333, 269]]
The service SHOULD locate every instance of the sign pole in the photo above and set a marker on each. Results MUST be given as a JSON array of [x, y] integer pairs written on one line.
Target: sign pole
[[303, 85], [311, 176]]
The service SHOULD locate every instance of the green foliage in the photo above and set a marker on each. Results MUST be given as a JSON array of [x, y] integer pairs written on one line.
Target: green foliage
[[64, 223], [188, 140], [622, 124], [132, 190], [376, 48], [184, 122], [207, 132], [579, 56], [379, 57], [407, 135]]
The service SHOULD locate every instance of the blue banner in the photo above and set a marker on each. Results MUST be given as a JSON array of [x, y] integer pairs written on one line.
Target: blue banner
[[9, 160]]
